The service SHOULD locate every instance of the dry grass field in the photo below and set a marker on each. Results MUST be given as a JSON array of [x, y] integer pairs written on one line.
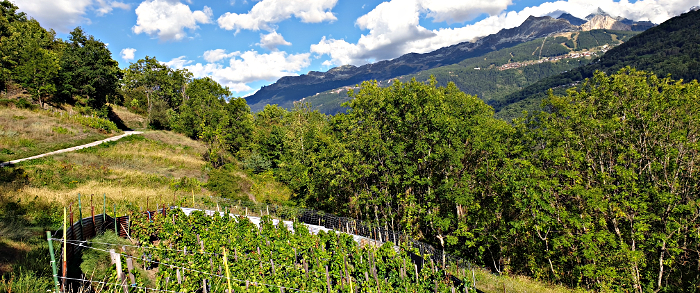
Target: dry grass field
[[25, 133]]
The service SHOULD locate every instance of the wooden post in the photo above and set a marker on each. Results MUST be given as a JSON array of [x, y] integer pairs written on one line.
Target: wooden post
[[80, 220], [116, 258], [306, 268], [116, 230], [130, 267], [415, 267], [204, 285], [70, 223], [273, 266], [53, 261], [193, 199], [328, 280], [179, 278]]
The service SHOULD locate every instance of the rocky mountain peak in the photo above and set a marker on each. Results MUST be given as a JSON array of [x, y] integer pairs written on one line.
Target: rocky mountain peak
[[601, 21]]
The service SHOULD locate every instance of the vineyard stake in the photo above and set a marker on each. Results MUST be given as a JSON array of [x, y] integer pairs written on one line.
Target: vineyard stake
[[70, 223], [193, 206], [53, 261], [130, 267], [65, 257], [116, 231], [104, 209], [80, 214], [328, 280], [92, 212], [228, 274]]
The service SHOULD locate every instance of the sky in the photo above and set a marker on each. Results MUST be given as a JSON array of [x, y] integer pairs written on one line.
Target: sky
[[246, 44]]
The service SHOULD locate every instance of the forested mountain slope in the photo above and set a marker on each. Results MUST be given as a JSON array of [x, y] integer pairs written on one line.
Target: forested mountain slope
[[496, 74], [293, 88], [672, 47]]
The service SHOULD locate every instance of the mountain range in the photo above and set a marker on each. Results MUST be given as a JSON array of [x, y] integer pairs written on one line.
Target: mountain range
[[671, 48], [289, 89]]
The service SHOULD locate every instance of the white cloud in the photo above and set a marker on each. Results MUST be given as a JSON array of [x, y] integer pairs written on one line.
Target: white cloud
[[168, 20], [128, 54], [269, 12], [272, 40], [64, 15], [244, 67], [461, 11], [178, 62], [217, 55], [394, 27], [106, 7]]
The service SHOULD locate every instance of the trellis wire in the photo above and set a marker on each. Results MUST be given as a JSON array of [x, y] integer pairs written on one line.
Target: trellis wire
[[193, 270]]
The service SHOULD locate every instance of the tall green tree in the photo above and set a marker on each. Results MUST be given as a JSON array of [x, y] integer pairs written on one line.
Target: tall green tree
[[164, 88], [8, 16], [88, 73], [606, 196], [30, 55], [409, 157]]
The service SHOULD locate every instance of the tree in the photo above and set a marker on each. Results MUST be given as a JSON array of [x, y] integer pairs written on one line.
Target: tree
[[410, 155], [29, 57], [158, 82], [606, 196], [88, 73]]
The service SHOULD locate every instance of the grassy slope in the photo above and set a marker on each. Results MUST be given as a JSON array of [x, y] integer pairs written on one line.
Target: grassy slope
[[25, 133]]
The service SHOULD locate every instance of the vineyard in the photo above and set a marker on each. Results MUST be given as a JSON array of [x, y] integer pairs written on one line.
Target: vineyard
[[177, 252]]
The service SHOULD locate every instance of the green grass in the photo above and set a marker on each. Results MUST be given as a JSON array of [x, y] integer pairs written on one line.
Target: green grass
[[25, 133]]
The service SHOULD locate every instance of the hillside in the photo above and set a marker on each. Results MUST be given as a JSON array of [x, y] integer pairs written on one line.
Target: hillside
[[293, 88], [672, 47], [289, 89], [496, 74], [26, 131]]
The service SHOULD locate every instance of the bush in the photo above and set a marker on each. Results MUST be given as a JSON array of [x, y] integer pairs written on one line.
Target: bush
[[227, 182], [256, 163]]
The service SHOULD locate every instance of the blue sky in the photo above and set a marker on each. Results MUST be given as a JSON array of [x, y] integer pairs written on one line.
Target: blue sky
[[245, 44]]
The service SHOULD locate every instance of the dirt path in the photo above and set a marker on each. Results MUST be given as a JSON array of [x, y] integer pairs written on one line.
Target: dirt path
[[75, 148]]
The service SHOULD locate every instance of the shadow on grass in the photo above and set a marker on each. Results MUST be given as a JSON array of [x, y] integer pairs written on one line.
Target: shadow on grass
[[118, 121]]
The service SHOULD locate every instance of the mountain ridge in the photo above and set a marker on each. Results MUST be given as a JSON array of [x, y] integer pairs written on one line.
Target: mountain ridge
[[289, 89], [314, 82], [672, 47]]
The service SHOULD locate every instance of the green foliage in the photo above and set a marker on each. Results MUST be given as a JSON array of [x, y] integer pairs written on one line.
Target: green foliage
[[153, 88], [274, 256], [95, 263], [591, 186], [256, 163], [98, 123], [228, 182]]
